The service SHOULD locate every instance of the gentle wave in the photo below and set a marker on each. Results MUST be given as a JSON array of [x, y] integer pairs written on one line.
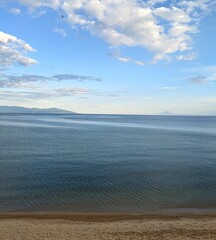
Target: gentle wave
[[58, 163], [69, 123]]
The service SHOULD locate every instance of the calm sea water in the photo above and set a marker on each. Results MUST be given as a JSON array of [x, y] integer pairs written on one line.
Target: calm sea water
[[109, 163]]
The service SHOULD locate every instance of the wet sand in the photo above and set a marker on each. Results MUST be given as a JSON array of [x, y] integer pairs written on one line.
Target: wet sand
[[35, 226]]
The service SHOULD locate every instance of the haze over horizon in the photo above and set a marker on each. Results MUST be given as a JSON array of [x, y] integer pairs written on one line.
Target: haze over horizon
[[109, 56]]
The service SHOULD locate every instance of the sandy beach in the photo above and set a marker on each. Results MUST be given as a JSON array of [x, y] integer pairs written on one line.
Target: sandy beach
[[25, 226]]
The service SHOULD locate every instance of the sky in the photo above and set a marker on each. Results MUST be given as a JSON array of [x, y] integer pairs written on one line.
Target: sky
[[109, 56]]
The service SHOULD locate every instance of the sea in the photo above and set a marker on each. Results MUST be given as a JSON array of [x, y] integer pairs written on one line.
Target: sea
[[107, 163]]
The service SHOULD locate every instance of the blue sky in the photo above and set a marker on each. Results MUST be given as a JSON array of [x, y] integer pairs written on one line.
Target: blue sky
[[109, 56]]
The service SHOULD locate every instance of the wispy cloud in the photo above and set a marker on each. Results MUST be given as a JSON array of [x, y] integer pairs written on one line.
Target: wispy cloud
[[169, 88], [16, 11], [31, 81], [13, 51], [125, 59], [48, 93], [116, 55], [60, 31], [202, 75], [23, 81], [61, 77], [54, 93], [187, 57], [198, 79]]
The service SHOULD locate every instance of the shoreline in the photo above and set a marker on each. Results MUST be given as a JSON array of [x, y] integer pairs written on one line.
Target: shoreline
[[106, 217]]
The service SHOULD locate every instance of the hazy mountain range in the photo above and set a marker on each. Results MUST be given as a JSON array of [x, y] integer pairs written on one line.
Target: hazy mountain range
[[14, 109]]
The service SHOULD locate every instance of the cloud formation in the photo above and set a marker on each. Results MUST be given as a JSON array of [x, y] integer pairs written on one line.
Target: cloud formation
[[169, 88], [200, 79], [23, 81], [81, 78], [188, 57], [46, 94], [203, 75], [13, 51], [16, 11], [60, 31], [165, 28], [52, 93], [31, 81], [126, 59], [116, 55]]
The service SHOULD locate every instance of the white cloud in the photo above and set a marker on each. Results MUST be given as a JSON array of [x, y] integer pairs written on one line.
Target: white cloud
[[128, 23], [61, 31], [139, 62], [203, 5], [116, 55], [126, 59], [13, 51], [165, 28], [187, 57], [123, 59], [169, 88], [172, 14], [16, 11]]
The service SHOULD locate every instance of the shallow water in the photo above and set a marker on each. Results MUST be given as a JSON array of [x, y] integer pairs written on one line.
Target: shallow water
[[111, 163]]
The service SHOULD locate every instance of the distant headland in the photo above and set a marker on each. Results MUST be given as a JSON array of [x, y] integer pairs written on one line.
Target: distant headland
[[15, 109]]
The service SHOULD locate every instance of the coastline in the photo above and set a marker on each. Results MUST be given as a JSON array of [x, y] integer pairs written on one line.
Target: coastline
[[107, 217], [102, 226]]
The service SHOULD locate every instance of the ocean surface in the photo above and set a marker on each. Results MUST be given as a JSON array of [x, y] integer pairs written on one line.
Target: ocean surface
[[107, 163]]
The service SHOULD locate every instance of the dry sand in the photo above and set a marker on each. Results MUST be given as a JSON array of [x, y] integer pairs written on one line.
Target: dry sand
[[106, 227]]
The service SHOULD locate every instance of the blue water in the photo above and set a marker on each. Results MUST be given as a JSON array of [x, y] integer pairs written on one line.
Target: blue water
[[107, 163]]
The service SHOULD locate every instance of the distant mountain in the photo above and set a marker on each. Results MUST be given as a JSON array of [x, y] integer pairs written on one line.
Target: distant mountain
[[14, 109], [166, 113]]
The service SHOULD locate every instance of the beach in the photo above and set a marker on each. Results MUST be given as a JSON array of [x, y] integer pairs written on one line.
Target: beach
[[50, 226]]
